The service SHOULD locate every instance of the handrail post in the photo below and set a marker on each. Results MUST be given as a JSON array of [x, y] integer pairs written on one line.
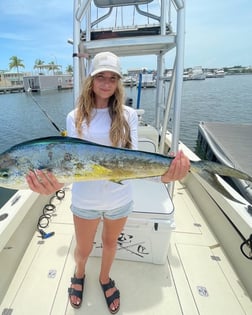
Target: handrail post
[[179, 69]]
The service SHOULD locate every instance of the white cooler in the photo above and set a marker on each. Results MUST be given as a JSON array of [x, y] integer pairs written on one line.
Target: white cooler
[[147, 233]]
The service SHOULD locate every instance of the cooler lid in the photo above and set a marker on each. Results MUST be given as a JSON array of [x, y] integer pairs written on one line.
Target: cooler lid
[[151, 200]]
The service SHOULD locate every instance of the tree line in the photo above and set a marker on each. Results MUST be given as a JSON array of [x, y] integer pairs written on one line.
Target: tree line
[[17, 63]]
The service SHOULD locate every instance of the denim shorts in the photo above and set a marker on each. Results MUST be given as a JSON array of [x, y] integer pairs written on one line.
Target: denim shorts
[[113, 214]]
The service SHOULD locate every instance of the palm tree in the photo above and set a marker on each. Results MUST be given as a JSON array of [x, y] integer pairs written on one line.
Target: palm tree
[[15, 62], [69, 69], [39, 64], [53, 67]]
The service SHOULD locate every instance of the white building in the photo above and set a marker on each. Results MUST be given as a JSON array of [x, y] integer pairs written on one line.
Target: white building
[[38, 83]]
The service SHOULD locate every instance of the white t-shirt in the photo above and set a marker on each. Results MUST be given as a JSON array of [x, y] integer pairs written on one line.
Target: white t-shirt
[[101, 195]]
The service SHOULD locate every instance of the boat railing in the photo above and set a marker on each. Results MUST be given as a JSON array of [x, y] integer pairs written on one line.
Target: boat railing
[[126, 29], [120, 3]]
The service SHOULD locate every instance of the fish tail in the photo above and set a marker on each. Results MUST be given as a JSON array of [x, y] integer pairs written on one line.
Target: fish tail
[[208, 171], [212, 180], [219, 169]]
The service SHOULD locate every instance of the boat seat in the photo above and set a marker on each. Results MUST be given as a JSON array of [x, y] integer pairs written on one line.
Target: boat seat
[[147, 134], [148, 145]]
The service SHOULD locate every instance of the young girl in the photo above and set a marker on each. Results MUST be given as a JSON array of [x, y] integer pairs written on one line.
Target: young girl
[[102, 118]]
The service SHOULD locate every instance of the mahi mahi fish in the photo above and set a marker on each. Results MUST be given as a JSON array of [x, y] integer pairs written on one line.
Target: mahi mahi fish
[[72, 160]]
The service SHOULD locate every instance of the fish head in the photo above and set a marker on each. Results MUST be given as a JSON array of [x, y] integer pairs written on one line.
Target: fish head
[[11, 175], [4, 174], [5, 177]]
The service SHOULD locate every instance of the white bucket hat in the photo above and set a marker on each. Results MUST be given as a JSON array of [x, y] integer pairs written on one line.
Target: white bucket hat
[[106, 61]]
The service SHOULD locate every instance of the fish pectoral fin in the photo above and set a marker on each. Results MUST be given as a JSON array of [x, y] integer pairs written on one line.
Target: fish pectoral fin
[[100, 170], [212, 180], [119, 182]]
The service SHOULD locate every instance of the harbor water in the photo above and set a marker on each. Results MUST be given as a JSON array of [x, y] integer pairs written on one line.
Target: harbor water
[[227, 99]]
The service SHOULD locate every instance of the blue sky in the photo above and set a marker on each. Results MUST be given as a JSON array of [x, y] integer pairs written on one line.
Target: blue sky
[[218, 33]]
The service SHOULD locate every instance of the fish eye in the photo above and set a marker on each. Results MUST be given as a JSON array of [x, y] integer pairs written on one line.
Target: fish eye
[[4, 174]]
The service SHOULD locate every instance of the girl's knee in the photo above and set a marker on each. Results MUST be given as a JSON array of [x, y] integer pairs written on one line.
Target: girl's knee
[[83, 253], [109, 243]]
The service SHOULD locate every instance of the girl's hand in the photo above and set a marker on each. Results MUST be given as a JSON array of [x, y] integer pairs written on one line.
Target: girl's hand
[[178, 168], [44, 183]]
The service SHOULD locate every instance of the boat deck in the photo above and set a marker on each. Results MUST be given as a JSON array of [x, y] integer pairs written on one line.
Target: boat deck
[[195, 279], [230, 142]]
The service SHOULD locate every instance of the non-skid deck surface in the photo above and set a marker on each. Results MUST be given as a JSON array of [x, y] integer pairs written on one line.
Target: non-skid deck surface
[[196, 279]]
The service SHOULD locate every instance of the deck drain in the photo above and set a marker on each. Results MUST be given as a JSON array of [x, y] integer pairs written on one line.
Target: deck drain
[[3, 216], [216, 258], [52, 273], [202, 291]]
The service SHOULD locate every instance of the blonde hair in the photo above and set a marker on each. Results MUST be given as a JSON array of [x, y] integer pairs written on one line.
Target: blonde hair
[[119, 131]]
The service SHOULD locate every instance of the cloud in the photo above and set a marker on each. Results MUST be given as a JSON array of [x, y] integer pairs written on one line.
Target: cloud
[[216, 31], [14, 37]]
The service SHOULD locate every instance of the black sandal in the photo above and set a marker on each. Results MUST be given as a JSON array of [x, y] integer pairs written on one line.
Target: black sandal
[[74, 292], [110, 299]]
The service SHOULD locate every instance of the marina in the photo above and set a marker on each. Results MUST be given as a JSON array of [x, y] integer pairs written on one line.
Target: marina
[[230, 106], [186, 248]]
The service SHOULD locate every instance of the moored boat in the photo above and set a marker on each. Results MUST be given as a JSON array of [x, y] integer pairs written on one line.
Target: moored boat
[[215, 73], [147, 81], [196, 73], [129, 81], [219, 73]]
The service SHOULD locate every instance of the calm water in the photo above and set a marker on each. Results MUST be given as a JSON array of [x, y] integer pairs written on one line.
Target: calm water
[[226, 99]]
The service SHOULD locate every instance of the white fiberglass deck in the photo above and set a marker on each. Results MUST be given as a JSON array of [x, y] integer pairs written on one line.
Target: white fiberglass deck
[[195, 279]]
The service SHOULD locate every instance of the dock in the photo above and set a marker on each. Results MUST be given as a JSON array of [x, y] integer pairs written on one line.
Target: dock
[[229, 144], [11, 89]]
